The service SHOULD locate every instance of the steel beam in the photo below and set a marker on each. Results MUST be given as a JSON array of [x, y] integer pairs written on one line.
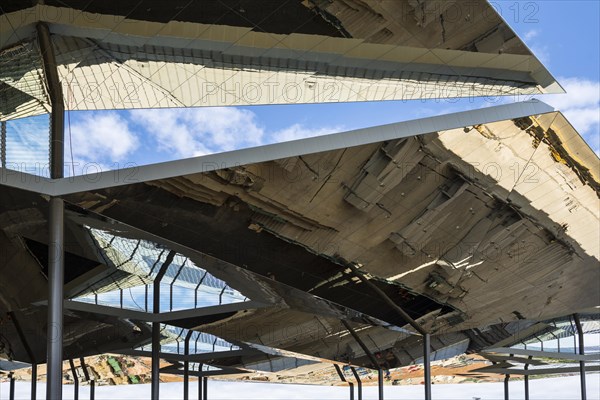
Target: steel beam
[[200, 357], [427, 365], [343, 379], [545, 354], [358, 382], [57, 117], [75, 380], [385, 298], [361, 344], [155, 390], [582, 353]]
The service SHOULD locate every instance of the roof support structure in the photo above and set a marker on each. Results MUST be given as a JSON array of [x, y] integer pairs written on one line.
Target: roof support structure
[[582, 353], [186, 367], [56, 217], [165, 317], [343, 379], [358, 382], [156, 326]]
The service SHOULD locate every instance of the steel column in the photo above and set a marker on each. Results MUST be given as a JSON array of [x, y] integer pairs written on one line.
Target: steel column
[[55, 221], [200, 388], [75, 380], [155, 390], [358, 382], [581, 352], [343, 379], [3, 144], [86, 374], [380, 382], [33, 381], [11, 394], [506, 379], [186, 367], [526, 379], [55, 299], [427, 365], [205, 387]]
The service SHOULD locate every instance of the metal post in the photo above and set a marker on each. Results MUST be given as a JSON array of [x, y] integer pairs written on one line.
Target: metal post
[[526, 379], [358, 382], [380, 382], [86, 374], [582, 352], [3, 144], [186, 366], [12, 387], [343, 379], [75, 380], [92, 389], [55, 221], [55, 299], [200, 388], [205, 387], [156, 326], [427, 365], [33, 381], [506, 378]]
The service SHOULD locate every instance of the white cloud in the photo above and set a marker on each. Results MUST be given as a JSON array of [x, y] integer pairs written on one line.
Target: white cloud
[[298, 131], [183, 133], [581, 106], [102, 137], [198, 131], [531, 34]]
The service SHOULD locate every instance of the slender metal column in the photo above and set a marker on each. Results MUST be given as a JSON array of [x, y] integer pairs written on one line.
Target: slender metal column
[[205, 387], [200, 388], [526, 379], [582, 352], [156, 326], [186, 367], [506, 379], [33, 381], [92, 389], [75, 380], [86, 374], [3, 144], [343, 379], [55, 299], [380, 382], [11, 394], [427, 365], [358, 382], [55, 221]]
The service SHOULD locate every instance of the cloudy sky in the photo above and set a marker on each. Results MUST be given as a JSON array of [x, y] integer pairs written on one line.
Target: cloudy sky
[[563, 34]]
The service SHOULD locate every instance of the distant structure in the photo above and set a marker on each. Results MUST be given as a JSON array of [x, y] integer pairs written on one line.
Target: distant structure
[[416, 241]]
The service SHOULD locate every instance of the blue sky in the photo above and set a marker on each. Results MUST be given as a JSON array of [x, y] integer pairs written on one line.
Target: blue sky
[[563, 34]]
